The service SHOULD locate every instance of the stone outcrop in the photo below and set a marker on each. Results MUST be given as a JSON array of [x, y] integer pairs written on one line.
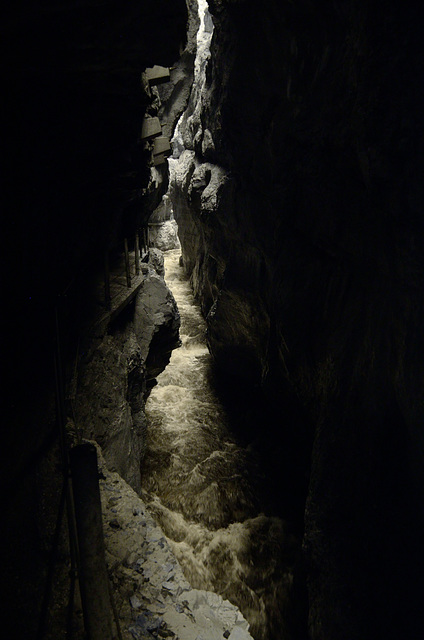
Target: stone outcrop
[[174, 95], [163, 230], [115, 375], [164, 235], [298, 203], [156, 324], [152, 596], [109, 404], [77, 182], [156, 261], [163, 211]]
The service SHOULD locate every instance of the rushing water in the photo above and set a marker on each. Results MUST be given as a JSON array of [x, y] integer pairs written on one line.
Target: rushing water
[[204, 488]]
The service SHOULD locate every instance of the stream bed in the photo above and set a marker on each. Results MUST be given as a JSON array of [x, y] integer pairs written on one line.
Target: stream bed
[[206, 489]]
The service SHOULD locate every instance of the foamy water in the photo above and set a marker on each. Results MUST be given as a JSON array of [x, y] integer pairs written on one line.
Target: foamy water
[[201, 485]]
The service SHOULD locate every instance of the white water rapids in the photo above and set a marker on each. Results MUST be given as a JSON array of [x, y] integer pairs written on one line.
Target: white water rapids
[[202, 486]]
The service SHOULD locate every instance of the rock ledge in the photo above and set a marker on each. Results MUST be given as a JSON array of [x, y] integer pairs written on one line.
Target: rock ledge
[[152, 596]]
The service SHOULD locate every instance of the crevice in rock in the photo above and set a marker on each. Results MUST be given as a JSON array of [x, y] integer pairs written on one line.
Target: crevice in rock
[[229, 277]]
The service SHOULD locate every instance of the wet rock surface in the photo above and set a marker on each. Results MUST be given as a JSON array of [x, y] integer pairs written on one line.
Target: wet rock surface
[[156, 323], [156, 261], [115, 374], [164, 235], [107, 410], [152, 596]]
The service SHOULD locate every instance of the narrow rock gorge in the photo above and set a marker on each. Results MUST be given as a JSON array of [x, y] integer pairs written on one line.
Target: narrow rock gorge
[[298, 211], [295, 182]]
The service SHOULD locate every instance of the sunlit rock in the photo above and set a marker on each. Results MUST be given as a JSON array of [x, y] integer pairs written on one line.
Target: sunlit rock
[[109, 403], [208, 146], [151, 592], [114, 377], [164, 235], [156, 324], [156, 261], [175, 94]]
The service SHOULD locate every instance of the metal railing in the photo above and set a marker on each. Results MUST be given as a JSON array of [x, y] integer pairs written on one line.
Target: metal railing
[[141, 247]]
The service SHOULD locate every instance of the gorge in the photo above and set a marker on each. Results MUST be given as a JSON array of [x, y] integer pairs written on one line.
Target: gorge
[[298, 196]]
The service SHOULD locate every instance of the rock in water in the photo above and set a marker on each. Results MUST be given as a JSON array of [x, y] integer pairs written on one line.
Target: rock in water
[[164, 235], [156, 261]]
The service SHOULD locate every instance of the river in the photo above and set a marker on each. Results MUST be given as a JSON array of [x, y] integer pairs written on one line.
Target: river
[[206, 489]]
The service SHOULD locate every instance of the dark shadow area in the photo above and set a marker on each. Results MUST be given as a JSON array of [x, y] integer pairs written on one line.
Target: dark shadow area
[[277, 428]]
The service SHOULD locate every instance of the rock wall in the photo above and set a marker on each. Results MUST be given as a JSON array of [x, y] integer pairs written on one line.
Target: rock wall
[[77, 178], [76, 181], [175, 95], [298, 201], [151, 593], [76, 108], [164, 235], [117, 372]]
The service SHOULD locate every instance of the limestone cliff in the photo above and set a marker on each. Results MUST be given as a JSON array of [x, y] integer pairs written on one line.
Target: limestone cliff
[[299, 205]]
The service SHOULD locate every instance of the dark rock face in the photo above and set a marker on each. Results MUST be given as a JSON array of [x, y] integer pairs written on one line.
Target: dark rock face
[[76, 181], [156, 261], [156, 324], [77, 104], [109, 404], [115, 376], [298, 205], [77, 178], [175, 94]]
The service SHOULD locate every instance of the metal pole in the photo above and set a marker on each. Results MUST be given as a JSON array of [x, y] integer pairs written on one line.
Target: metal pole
[[115, 612], [52, 562], [60, 393], [137, 255], [127, 263], [61, 413], [145, 239], [108, 299], [88, 513], [71, 601]]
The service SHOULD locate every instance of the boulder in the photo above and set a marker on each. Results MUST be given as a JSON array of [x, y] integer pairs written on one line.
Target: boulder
[[116, 373], [164, 235], [156, 261]]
